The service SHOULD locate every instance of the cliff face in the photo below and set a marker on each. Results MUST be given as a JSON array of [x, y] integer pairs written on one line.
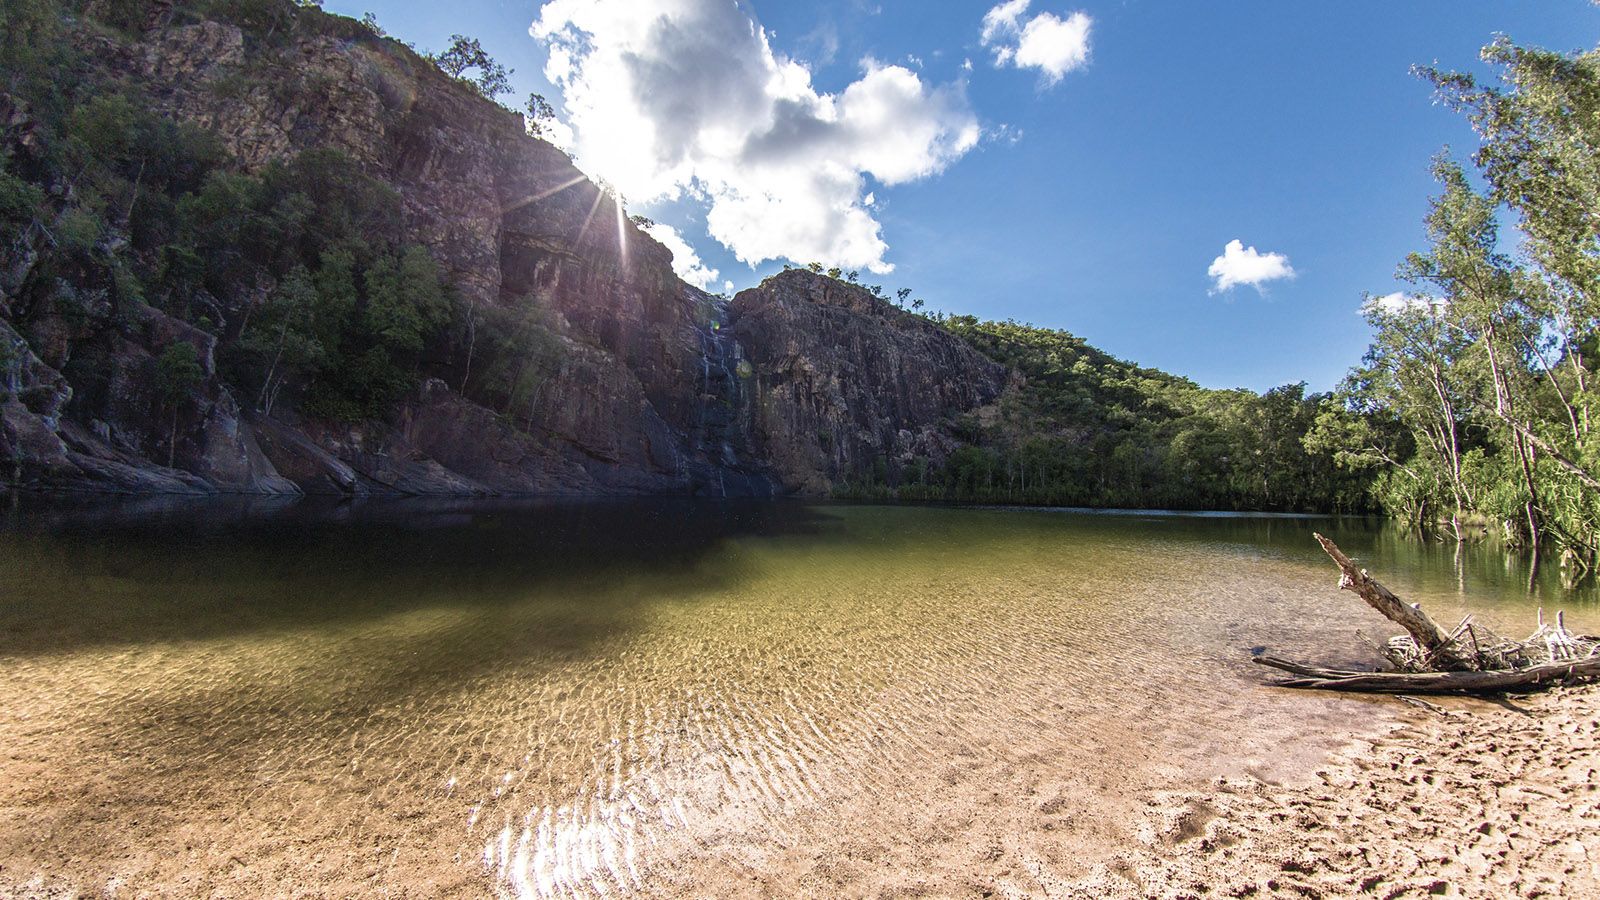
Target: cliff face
[[640, 386], [845, 386]]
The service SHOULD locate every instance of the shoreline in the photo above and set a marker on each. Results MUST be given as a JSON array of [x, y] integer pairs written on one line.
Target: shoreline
[[1479, 799], [1482, 798]]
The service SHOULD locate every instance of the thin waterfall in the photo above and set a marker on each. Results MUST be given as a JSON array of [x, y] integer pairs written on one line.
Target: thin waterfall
[[717, 438]]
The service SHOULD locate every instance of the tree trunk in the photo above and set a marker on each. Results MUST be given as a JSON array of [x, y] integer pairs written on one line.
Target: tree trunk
[[1504, 407], [472, 344], [127, 218], [1575, 355], [1427, 633]]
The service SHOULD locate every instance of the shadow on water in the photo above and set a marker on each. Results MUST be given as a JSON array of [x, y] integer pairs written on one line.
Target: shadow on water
[[81, 572], [332, 612], [84, 572]]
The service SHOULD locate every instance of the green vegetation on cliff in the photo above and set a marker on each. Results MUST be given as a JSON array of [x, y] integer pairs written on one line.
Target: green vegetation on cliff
[[1086, 429], [305, 294], [300, 270], [297, 282]]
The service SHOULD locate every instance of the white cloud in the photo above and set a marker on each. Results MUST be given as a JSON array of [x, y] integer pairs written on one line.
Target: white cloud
[[688, 98], [1047, 42], [1003, 20], [727, 287], [1007, 133], [685, 262], [1399, 302], [1239, 264]]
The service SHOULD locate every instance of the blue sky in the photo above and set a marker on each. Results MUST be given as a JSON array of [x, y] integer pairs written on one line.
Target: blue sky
[[1086, 193]]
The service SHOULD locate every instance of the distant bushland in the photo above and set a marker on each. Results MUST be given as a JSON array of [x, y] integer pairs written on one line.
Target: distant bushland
[[1087, 429]]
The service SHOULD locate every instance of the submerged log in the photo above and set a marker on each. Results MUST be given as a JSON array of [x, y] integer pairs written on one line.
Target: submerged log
[[1469, 659]]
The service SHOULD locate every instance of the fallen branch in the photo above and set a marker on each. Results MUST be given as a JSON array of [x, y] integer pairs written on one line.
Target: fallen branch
[[1469, 659], [1431, 682], [1432, 640]]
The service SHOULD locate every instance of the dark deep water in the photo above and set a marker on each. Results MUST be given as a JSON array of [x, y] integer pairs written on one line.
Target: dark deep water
[[583, 698]]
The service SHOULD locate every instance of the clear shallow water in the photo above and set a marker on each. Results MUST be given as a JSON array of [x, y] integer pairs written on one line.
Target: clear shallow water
[[598, 699]]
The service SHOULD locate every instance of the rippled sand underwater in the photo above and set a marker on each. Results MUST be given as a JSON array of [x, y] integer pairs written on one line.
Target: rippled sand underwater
[[542, 700]]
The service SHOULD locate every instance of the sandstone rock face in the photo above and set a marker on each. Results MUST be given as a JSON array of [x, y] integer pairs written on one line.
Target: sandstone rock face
[[845, 386], [646, 385]]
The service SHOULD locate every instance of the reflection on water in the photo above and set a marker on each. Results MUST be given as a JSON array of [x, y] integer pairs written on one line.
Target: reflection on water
[[587, 699]]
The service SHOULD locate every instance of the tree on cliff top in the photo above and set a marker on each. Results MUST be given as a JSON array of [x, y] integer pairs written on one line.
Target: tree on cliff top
[[465, 55], [539, 112]]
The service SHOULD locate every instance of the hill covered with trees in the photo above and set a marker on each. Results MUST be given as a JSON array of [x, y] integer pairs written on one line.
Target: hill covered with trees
[[1472, 412], [255, 246], [1082, 428]]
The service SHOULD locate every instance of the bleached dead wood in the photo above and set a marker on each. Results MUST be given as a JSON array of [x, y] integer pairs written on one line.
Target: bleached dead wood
[[1432, 661], [1429, 637], [1432, 682]]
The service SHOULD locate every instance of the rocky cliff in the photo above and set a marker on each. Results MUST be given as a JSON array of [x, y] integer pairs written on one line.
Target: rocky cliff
[[844, 386], [622, 379]]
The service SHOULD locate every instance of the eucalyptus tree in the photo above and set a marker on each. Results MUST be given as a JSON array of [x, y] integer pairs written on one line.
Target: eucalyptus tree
[[1540, 154], [1476, 288], [1489, 365], [1415, 372]]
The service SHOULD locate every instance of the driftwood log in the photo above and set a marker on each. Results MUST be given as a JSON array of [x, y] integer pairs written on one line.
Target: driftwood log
[[1432, 682], [1427, 634], [1429, 659]]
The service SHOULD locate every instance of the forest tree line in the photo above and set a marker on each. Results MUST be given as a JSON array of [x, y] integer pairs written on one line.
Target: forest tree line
[[1087, 429]]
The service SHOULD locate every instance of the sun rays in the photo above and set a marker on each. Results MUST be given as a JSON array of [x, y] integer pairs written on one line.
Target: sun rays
[[600, 194], [622, 230], [550, 192]]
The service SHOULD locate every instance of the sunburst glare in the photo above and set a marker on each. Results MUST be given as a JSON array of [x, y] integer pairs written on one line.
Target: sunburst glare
[[622, 230], [549, 192]]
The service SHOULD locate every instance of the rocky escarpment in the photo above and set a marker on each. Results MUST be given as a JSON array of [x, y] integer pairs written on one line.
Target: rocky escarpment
[[845, 386], [619, 378]]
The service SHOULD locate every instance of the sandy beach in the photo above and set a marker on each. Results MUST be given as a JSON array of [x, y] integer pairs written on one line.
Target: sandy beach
[[1474, 798], [1480, 798]]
